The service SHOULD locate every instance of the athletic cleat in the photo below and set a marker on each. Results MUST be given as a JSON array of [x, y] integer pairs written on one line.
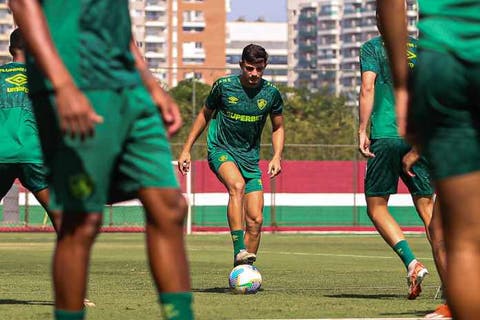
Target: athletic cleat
[[88, 303], [442, 312], [414, 279], [244, 257]]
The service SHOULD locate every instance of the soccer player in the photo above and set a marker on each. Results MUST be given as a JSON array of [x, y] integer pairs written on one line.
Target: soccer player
[[237, 109], [443, 120], [20, 152], [385, 150], [99, 112]]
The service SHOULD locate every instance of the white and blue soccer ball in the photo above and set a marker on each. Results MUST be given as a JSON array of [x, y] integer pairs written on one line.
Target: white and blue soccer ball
[[245, 279]]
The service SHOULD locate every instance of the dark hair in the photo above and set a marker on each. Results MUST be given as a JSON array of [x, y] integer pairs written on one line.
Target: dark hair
[[254, 54], [16, 40]]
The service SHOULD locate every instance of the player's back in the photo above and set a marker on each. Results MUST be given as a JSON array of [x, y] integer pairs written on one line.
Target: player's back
[[18, 132]]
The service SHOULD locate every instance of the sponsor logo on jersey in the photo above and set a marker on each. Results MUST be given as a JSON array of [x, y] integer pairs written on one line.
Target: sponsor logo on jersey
[[242, 117], [232, 100], [411, 56], [81, 186], [261, 104], [19, 81]]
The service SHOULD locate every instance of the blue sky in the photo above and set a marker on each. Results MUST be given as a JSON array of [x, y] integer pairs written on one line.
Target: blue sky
[[271, 10]]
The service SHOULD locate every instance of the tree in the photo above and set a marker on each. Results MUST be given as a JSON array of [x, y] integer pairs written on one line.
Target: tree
[[318, 125]]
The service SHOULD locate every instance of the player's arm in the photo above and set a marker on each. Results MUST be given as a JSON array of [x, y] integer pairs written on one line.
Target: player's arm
[[278, 141], [76, 116], [168, 107], [394, 32], [366, 98], [200, 123]]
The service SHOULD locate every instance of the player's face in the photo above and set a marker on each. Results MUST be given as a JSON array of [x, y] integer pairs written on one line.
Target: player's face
[[252, 72]]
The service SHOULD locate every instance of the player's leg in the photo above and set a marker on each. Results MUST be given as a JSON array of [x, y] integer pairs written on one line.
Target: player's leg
[[437, 241], [253, 218], [33, 177], [460, 201], [231, 177], [8, 174], [71, 258], [144, 169], [166, 210]]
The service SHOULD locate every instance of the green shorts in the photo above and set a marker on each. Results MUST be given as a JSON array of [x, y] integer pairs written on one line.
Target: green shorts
[[31, 175], [445, 113], [384, 170], [129, 151], [253, 177]]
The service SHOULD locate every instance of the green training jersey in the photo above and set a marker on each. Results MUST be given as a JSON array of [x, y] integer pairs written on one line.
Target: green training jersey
[[451, 26], [373, 57], [93, 40], [239, 116], [19, 142]]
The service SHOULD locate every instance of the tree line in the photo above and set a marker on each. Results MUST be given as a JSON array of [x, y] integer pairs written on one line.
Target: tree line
[[318, 125]]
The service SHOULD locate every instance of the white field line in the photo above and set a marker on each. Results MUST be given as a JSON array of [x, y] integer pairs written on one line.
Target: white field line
[[281, 199], [312, 254]]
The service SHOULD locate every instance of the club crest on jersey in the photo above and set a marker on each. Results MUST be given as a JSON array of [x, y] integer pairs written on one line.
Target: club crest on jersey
[[232, 100], [223, 158], [81, 186], [261, 104]]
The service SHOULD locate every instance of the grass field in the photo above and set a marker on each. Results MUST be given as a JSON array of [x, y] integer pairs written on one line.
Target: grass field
[[305, 277]]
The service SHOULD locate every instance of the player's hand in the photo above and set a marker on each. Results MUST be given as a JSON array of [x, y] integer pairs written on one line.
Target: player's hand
[[409, 160], [76, 116], [364, 145], [168, 108], [184, 162], [274, 167]]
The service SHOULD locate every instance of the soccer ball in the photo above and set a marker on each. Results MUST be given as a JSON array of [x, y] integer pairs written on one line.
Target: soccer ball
[[245, 279]]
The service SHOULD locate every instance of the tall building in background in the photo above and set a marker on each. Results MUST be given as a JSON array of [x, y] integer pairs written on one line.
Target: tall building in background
[[325, 38], [6, 27], [272, 36], [181, 39]]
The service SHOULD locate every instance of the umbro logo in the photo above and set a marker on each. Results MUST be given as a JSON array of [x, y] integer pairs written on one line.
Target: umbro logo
[[17, 80]]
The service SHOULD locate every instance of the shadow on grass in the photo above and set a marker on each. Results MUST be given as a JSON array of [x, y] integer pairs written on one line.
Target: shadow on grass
[[26, 302], [212, 290], [365, 296], [216, 290]]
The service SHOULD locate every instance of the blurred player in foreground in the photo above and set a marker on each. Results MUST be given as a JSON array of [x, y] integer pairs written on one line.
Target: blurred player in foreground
[[443, 120], [238, 107], [103, 139], [385, 150]]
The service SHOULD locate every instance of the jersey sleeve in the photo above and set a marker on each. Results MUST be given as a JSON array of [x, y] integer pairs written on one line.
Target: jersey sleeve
[[368, 59], [214, 98], [277, 105]]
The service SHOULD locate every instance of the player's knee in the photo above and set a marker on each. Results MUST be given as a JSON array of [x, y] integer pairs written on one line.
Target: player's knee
[[237, 188], [254, 222], [173, 213]]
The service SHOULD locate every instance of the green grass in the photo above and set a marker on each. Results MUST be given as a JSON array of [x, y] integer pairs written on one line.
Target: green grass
[[305, 276]]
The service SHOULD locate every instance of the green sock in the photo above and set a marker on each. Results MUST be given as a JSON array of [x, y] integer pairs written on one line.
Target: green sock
[[177, 305], [238, 241], [404, 252], [69, 315]]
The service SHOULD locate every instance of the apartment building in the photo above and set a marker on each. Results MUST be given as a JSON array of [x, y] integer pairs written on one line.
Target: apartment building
[[325, 38], [272, 36], [182, 39], [6, 27]]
